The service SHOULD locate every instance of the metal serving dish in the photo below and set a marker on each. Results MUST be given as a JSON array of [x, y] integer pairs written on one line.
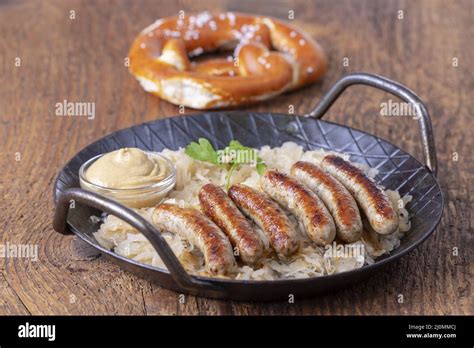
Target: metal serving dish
[[398, 170]]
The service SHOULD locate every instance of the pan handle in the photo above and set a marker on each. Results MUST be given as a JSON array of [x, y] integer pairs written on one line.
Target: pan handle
[[394, 88], [94, 200]]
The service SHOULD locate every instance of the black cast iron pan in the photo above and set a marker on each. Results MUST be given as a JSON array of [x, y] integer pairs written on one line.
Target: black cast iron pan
[[397, 170]]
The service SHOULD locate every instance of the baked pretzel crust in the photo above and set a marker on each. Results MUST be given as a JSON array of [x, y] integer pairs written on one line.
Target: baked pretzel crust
[[270, 57]]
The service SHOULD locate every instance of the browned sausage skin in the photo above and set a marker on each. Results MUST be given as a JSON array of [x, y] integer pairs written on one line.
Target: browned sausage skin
[[303, 203], [219, 207], [335, 196], [268, 216], [200, 231], [371, 198]]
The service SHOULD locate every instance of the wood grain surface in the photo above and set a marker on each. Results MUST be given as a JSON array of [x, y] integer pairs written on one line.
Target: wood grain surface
[[82, 60]]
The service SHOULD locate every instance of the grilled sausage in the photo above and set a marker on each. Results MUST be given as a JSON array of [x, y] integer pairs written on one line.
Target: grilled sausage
[[268, 216], [371, 198], [303, 203], [219, 207], [200, 231], [335, 196]]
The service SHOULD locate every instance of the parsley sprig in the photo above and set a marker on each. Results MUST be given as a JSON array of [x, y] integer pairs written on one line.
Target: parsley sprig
[[231, 157]]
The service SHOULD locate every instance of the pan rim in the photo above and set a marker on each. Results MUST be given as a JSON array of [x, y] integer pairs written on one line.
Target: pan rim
[[222, 281]]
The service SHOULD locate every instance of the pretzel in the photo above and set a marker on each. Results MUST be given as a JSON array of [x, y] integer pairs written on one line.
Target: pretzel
[[270, 57]]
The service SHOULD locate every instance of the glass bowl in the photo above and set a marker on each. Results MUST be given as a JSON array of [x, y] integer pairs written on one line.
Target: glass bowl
[[139, 197]]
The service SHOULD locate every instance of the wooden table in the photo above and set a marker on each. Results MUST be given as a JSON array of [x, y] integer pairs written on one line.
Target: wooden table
[[81, 59]]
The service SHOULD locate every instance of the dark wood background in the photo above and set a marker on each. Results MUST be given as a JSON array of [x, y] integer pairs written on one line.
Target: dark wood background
[[82, 60]]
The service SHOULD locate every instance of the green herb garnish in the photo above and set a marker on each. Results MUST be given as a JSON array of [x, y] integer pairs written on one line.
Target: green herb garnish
[[230, 158], [204, 151]]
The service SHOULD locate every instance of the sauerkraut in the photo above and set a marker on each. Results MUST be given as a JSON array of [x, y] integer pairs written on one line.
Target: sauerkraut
[[309, 261]]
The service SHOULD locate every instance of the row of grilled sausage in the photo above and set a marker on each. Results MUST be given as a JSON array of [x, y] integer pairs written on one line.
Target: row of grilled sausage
[[324, 198]]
